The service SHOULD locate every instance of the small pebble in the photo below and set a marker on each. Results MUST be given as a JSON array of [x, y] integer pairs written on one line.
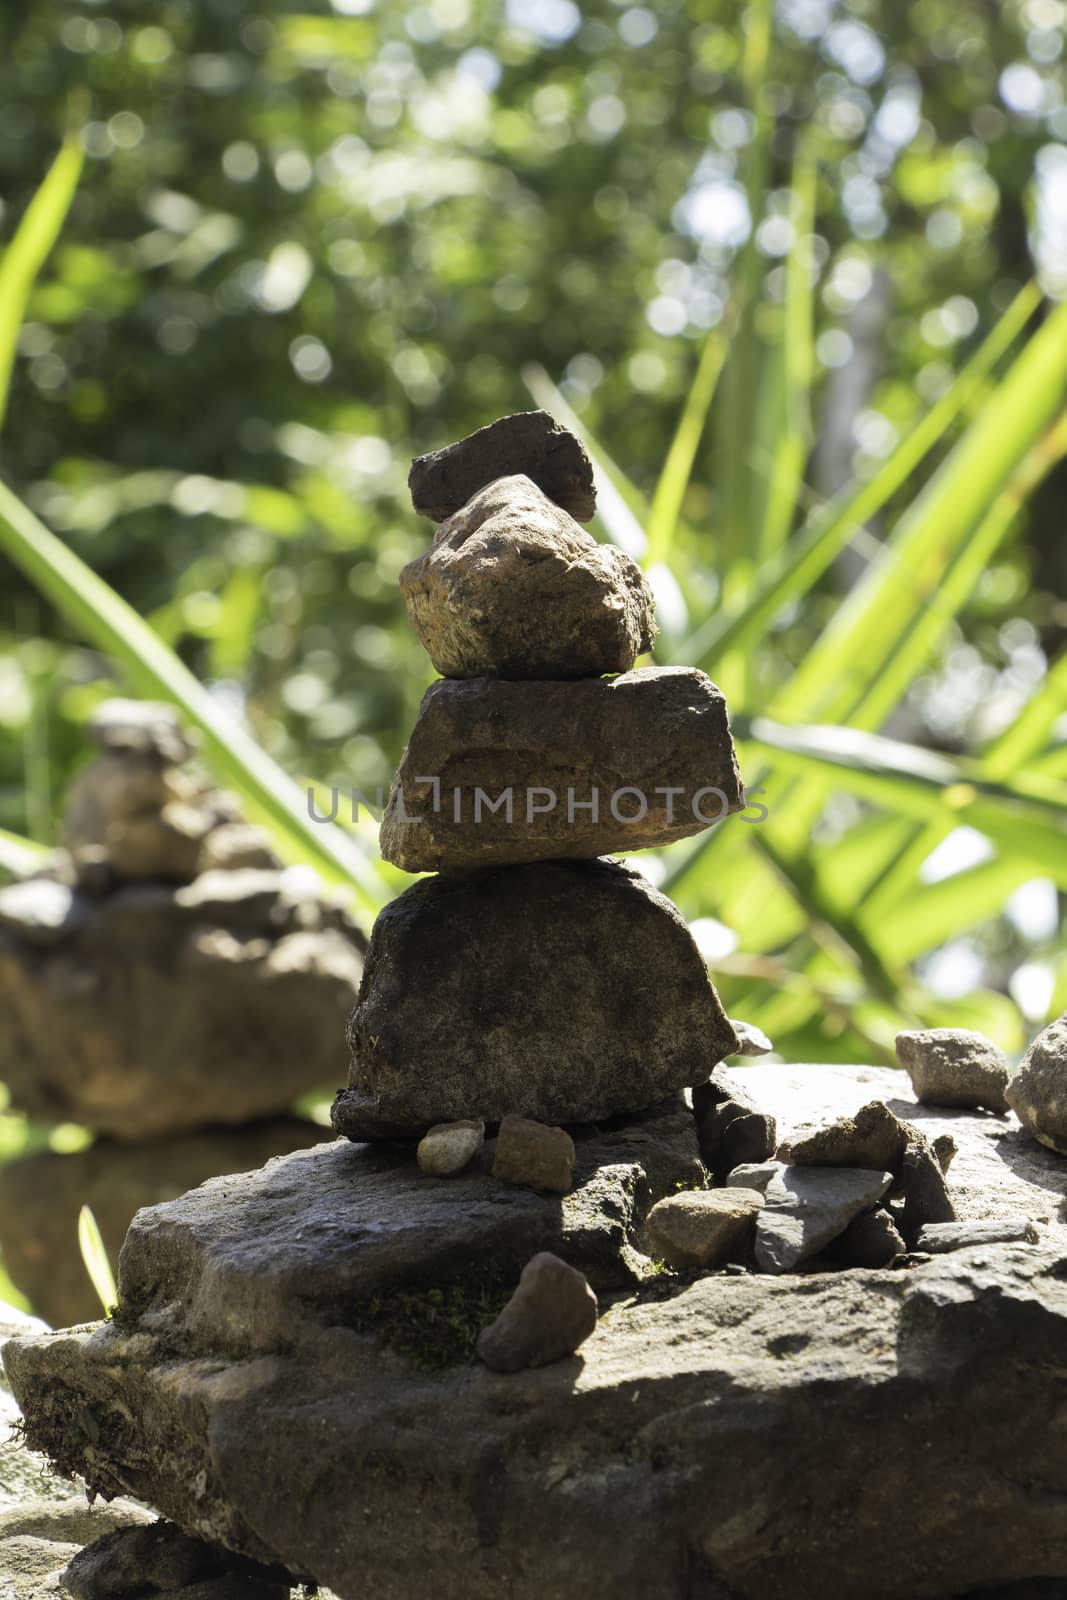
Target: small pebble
[[954, 1067], [448, 1147], [534, 1155], [701, 1227], [551, 1313]]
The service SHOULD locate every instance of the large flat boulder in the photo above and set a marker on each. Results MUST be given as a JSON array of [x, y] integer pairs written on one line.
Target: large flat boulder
[[562, 991], [513, 587], [41, 1196], [867, 1434], [498, 772]]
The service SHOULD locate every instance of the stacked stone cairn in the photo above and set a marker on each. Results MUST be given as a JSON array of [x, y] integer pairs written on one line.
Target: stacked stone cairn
[[165, 983]]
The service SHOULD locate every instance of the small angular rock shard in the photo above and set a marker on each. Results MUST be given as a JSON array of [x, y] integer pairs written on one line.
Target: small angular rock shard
[[513, 588], [529, 442], [806, 1207], [1038, 1092], [449, 1147], [550, 1315], [954, 1067], [497, 773], [938, 1238], [703, 1227], [534, 1155], [752, 1041], [562, 991]]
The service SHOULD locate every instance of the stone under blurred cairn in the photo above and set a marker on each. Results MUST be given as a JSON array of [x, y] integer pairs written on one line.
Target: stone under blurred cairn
[[161, 974]]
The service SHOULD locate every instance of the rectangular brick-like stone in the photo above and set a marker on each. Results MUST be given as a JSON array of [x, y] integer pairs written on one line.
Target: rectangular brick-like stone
[[500, 772]]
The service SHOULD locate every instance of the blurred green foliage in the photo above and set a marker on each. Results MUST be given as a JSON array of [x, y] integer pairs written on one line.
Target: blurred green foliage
[[310, 243]]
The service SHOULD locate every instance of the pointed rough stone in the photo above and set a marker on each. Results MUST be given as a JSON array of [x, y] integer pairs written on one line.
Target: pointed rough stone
[[733, 1128], [513, 587], [530, 442], [562, 991], [872, 1137], [497, 773]]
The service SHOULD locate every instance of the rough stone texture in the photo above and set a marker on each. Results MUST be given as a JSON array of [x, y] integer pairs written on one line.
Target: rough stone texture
[[30, 1567], [805, 1207], [925, 1191], [752, 1041], [529, 442], [870, 1240], [160, 1008], [939, 1237], [449, 1147], [735, 1421], [512, 587], [140, 727], [945, 1147], [703, 1227], [558, 749], [534, 1155], [41, 1196], [552, 1312], [236, 845], [753, 1175], [563, 991], [954, 1067], [734, 1130], [159, 1556], [874, 1138], [1038, 1092]]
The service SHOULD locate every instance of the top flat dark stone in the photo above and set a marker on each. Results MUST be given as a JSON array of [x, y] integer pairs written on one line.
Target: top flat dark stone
[[530, 442]]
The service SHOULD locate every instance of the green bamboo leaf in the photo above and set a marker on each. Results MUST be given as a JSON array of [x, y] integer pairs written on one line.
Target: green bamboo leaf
[[799, 565], [928, 914], [94, 1255], [788, 407], [621, 507], [1026, 818], [1030, 731], [19, 856], [678, 467], [24, 257], [105, 619], [861, 639]]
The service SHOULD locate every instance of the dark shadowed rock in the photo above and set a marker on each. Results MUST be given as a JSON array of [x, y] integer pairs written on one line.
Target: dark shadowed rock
[[498, 772], [533, 1154], [158, 1556], [870, 1240], [552, 1312], [703, 1227], [1038, 1092], [530, 442], [954, 1067], [41, 1196], [512, 587], [566, 992], [924, 1189], [155, 1009], [873, 1137], [939, 1237], [733, 1129], [805, 1207]]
